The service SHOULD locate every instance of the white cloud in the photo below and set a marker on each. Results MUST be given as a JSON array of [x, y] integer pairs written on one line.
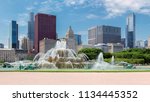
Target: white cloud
[[119, 7], [92, 16], [50, 6], [23, 19], [114, 8], [75, 2]]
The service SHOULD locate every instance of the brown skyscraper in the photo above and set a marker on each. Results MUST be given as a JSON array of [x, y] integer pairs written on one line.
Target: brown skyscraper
[[45, 27]]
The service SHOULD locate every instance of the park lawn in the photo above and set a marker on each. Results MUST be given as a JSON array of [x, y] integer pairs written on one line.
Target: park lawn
[[77, 70]]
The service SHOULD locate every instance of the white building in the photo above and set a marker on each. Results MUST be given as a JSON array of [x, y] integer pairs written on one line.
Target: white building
[[102, 46], [117, 47], [7, 55], [46, 44]]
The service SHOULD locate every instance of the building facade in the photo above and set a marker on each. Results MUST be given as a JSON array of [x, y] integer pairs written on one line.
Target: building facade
[[130, 31], [70, 40], [31, 30], [45, 27], [13, 37], [104, 34], [24, 43], [115, 47], [7, 55], [123, 42], [46, 44], [78, 39], [1, 45]]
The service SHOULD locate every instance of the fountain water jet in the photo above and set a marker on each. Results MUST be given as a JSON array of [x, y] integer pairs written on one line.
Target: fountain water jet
[[101, 64], [61, 57]]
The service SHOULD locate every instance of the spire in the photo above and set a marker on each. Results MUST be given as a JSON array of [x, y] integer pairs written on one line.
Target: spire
[[70, 33]]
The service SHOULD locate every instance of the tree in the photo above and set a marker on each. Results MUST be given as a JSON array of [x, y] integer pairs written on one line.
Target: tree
[[92, 53]]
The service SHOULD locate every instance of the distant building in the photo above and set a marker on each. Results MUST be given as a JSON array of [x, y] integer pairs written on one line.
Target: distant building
[[31, 31], [146, 43], [110, 47], [130, 31], [24, 43], [1, 45], [45, 27], [123, 42], [104, 34], [21, 54], [7, 55], [13, 37], [84, 46], [149, 42], [46, 44], [102, 46], [70, 39], [141, 44], [78, 39], [115, 47], [30, 46]]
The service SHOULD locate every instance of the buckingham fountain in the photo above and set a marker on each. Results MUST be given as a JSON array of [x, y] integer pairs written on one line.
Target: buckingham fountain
[[61, 57]]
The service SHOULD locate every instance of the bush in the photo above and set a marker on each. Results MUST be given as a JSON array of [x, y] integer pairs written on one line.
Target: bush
[[92, 53], [132, 61], [1, 61], [107, 55]]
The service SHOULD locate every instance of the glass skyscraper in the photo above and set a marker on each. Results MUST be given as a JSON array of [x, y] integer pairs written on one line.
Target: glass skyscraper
[[13, 39], [31, 27], [130, 31], [31, 32], [78, 39]]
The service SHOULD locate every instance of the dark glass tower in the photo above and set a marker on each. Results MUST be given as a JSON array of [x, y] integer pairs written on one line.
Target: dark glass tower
[[13, 40], [45, 27], [130, 31]]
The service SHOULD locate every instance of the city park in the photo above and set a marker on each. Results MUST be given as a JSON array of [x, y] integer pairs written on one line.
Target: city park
[[62, 59]]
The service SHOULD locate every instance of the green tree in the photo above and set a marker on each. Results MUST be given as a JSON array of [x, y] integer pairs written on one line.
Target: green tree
[[92, 53]]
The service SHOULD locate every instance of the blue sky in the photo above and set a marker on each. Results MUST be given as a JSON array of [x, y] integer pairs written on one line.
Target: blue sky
[[80, 14]]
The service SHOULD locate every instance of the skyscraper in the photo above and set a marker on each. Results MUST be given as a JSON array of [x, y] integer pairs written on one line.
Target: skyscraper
[[13, 37], [1, 45], [70, 39], [78, 39], [45, 27], [31, 30], [130, 31], [24, 43], [104, 34]]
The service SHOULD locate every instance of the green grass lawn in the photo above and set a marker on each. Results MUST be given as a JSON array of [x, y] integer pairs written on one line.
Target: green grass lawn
[[77, 70]]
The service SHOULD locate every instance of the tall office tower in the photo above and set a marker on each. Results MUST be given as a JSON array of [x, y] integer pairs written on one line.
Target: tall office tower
[[123, 42], [70, 39], [24, 43], [13, 37], [130, 31], [78, 39], [1, 45], [31, 30], [104, 34], [45, 27]]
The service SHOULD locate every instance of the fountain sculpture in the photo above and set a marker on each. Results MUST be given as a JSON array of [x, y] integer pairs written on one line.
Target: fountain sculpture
[[61, 57]]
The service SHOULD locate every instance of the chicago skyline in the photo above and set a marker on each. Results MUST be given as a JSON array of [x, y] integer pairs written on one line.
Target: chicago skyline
[[81, 15]]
